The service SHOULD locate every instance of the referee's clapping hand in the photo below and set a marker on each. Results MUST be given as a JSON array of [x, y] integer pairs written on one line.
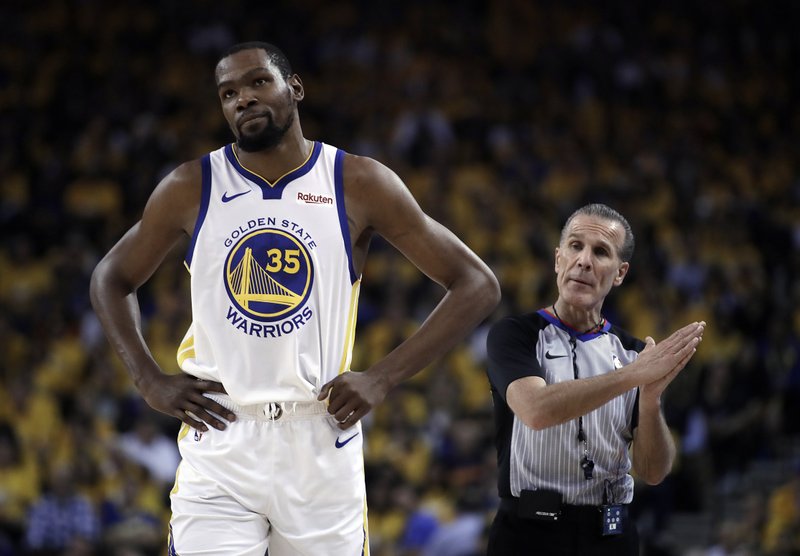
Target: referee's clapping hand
[[659, 363]]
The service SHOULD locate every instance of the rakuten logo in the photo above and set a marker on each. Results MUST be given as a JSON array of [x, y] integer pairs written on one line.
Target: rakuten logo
[[311, 199]]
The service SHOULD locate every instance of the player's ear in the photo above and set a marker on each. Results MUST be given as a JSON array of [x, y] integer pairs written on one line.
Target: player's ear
[[296, 84], [557, 259]]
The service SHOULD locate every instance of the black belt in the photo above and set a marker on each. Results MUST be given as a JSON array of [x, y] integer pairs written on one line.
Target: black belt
[[568, 511]]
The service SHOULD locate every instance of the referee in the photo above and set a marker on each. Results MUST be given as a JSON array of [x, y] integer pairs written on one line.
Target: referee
[[572, 393]]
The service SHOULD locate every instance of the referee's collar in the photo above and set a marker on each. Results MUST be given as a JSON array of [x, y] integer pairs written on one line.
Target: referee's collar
[[555, 321]]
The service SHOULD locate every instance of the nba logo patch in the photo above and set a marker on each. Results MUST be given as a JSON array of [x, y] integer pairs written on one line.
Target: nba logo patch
[[197, 435]]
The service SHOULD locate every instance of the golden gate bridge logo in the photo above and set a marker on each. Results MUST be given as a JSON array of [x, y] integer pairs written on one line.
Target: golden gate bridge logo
[[268, 274]]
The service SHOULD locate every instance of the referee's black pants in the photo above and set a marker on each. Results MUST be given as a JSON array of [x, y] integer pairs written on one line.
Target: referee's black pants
[[577, 532]]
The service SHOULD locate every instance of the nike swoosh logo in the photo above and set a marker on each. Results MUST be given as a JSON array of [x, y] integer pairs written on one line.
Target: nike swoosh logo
[[226, 199], [340, 444], [549, 356]]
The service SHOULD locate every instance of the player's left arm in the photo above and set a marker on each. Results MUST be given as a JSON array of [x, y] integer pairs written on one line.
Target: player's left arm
[[377, 201]]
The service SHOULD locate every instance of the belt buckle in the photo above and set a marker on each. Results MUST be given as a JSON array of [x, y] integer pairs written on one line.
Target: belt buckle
[[273, 410]]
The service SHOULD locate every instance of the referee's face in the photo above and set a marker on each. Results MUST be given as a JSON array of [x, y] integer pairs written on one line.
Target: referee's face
[[587, 261]]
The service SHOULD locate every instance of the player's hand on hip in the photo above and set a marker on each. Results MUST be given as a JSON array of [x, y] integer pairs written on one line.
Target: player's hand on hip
[[182, 396], [352, 395]]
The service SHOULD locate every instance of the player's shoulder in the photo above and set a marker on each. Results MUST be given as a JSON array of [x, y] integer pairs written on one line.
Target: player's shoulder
[[362, 171], [376, 197], [179, 192], [186, 173], [184, 179]]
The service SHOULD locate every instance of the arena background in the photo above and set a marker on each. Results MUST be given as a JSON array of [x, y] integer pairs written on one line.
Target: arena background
[[502, 117]]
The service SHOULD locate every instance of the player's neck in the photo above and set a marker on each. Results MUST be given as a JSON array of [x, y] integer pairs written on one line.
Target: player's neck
[[272, 163]]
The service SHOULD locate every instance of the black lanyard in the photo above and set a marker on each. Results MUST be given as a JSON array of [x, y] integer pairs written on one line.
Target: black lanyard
[[587, 463]]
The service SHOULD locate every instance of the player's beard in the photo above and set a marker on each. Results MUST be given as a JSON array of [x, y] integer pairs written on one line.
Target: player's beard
[[269, 136]]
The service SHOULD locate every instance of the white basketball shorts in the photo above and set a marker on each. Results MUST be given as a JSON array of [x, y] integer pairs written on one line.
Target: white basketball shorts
[[281, 477]]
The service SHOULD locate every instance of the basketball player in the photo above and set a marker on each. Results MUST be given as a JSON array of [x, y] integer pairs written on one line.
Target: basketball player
[[279, 229]]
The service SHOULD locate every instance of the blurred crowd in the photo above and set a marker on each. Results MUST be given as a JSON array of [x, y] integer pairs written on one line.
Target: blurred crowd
[[502, 117]]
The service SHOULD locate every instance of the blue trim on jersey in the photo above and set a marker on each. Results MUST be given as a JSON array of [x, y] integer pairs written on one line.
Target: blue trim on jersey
[[552, 319], [205, 196], [338, 186], [171, 546], [273, 190]]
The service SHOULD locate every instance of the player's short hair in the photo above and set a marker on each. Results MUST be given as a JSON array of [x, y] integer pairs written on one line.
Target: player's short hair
[[607, 213], [274, 53]]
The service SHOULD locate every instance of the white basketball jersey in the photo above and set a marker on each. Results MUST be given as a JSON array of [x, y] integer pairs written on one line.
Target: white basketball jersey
[[274, 292]]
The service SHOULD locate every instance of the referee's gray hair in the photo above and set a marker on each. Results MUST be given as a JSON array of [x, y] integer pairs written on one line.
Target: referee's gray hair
[[607, 213]]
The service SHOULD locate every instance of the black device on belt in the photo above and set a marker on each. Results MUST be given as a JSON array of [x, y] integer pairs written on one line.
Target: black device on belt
[[546, 505]]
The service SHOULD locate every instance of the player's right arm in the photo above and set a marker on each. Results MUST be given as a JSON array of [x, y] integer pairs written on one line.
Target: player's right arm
[[169, 215]]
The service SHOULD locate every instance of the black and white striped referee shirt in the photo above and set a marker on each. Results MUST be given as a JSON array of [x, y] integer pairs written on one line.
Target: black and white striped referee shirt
[[538, 344]]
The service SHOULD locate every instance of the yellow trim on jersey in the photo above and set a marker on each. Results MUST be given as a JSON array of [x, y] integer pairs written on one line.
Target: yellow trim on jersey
[[178, 470], [187, 342], [185, 350], [271, 183], [188, 354], [351, 328], [189, 270], [365, 548]]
